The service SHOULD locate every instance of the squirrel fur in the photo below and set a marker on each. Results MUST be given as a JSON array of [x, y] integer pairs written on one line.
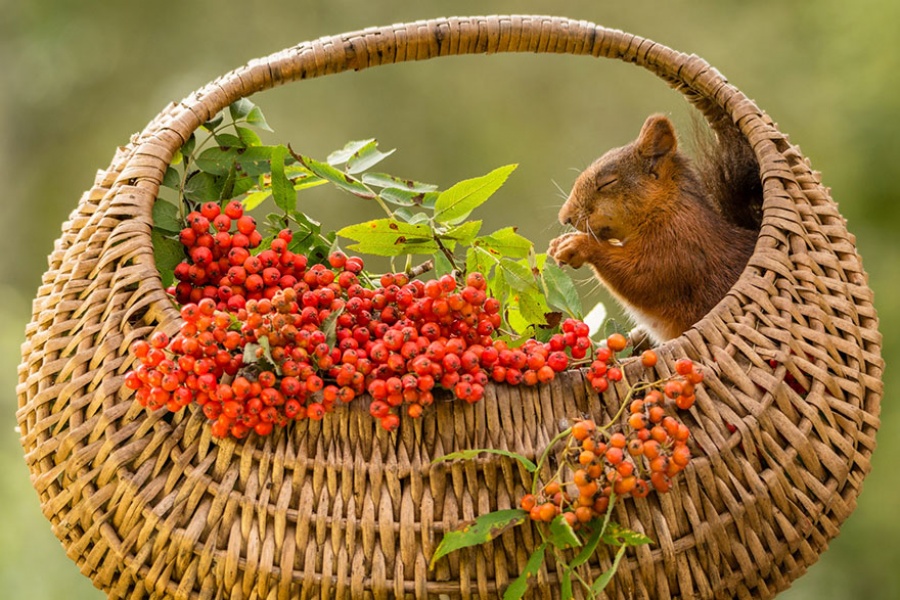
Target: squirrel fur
[[666, 235]]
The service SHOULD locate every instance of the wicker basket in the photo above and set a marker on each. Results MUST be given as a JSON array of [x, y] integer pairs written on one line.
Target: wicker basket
[[152, 508]]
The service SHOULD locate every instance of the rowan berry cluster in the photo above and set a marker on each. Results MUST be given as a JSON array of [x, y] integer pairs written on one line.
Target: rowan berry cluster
[[645, 455], [268, 338]]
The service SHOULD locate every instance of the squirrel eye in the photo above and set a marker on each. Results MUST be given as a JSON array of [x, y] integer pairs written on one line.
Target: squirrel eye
[[604, 183]]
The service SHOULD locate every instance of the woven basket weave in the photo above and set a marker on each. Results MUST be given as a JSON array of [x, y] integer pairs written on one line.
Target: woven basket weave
[[152, 508]]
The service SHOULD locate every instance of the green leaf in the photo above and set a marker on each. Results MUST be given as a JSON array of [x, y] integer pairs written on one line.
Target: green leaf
[[589, 547], [240, 108], [282, 189], [518, 587], [342, 180], [616, 535], [456, 203], [203, 187], [562, 535], [565, 584], [383, 180], [255, 117], [216, 161], [506, 242], [248, 136], [470, 454], [477, 259], [518, 276], [366, 157], [188, 148], [255, 161], [400, 197], [390, 237], [329, 327], [228, 140], [166, 217], [442, 265], [601, 582], [167, 253], [560, 290], [418, 218], [464, 234], [339, 157], [172, 179], [484, 529], [533, 307], [214, 122]]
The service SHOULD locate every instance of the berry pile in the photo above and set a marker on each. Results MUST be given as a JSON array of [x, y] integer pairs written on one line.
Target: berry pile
[[650, 450], [268, 338]]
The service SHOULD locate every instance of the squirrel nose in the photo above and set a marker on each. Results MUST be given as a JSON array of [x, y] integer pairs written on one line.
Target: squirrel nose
[[565, 216]]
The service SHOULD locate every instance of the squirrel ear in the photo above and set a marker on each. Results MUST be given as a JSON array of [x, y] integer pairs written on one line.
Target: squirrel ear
[[657, 139]]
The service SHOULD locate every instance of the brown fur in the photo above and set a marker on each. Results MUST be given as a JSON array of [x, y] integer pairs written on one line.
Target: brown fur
[[654, 232]]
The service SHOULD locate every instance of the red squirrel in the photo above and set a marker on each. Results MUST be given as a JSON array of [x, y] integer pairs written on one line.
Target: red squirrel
[[656, 229]]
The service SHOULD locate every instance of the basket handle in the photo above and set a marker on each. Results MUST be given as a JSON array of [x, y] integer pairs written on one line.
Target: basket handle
[[721, 103]]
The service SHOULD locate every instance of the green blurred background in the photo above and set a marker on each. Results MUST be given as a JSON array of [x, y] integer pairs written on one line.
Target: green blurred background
[[79, 78]]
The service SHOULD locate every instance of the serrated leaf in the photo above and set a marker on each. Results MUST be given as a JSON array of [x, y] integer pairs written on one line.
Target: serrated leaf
[[390, 237], [383, 180], [464, 234], [560, 290], [203, 187], [470, 454], [484, 529], [505, 242], [562, 535], [167, 253], [343, 180], [456, 203], [601, 582], [479, 260], [518, 587], [256, 118], [533, 307], [517, 276], [612, 326], [216, 161], [248, 136], [282, 189], [339, 157], [400, 197], [366, 157], [616, 535]]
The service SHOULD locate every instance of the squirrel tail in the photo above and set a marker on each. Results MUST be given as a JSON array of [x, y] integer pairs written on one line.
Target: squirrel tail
[[728, 167]]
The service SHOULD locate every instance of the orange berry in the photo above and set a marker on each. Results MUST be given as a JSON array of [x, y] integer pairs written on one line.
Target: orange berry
[[581, 478], [637, 406], [614, 456], [586, 457], [601, 505], [681, 455], [683, 366], [673, 388], [570, 518], [651, 449], [548, 511], [616, 342], [649, 358], [589, 444], [635, 447], [535, 513], [618, 440], [685, 401], [661, 482], [656, 414], [625, 468], [551, 488], [636, 421], [625, 485], [582, 429], [641, 489], [528, 502], [584, 514]]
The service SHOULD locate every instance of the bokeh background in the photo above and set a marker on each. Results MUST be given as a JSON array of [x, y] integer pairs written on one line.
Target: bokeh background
[[78, 78]]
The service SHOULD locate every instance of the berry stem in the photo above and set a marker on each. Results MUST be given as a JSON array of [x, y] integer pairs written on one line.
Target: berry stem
[[546, 453]]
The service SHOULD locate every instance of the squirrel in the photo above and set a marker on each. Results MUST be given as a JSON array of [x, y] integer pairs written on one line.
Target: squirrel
[[666, 235]]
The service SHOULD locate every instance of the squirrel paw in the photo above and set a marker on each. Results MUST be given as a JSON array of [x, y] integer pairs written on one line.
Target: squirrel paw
[[570, 249]]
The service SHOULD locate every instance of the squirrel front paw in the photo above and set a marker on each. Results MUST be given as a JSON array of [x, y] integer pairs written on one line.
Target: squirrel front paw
[[571, 249]]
